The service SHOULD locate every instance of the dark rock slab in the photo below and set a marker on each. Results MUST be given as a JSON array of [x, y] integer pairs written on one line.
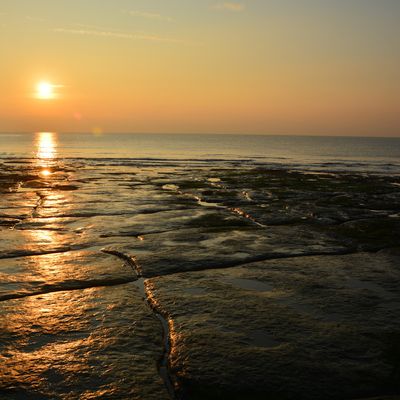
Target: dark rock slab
[[223, 246], [81, 344], [322, 327]]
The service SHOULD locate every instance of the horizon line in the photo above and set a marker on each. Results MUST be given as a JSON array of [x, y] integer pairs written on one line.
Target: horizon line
[[396, 136]]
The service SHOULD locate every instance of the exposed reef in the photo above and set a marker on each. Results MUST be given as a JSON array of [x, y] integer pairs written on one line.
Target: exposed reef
[[211, 280]]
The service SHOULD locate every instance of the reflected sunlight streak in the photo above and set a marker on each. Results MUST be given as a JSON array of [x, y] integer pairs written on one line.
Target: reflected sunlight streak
[[46, 144], [45, 172]]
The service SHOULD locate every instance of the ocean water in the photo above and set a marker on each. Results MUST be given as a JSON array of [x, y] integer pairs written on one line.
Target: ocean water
[[379, 155]]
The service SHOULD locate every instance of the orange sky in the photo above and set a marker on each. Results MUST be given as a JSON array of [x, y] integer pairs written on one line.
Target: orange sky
[[255, 66]]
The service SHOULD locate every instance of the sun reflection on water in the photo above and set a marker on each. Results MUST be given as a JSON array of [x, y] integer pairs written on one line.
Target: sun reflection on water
[[46, 144], [45, 172], [45, 235]]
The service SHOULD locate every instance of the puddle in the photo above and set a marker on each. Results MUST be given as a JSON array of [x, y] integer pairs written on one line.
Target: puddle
[[250, 284]]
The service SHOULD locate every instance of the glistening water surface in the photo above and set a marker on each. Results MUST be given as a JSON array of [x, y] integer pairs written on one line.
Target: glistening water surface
[[343, 153]]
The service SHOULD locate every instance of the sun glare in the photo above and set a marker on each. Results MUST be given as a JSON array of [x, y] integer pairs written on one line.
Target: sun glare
[[45, 91], [46, 146], [45, 172]]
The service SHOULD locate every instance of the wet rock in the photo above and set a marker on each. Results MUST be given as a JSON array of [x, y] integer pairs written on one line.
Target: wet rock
[[164, 221], [298, 327], [195, 249], [24, 276], [371, 234], [17, 243], [81, 344], [8, 222], [304, 328]]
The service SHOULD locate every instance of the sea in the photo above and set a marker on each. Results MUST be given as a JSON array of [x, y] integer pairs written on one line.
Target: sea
[[353, 154]]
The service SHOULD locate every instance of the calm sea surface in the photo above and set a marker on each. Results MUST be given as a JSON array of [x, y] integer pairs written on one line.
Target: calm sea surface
[[318, 153]]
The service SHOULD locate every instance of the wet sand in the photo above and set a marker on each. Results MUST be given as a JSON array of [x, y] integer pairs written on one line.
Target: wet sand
[[207, 280]]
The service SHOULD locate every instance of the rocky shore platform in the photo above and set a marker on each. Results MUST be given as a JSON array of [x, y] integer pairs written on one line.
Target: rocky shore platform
[[146, 279]]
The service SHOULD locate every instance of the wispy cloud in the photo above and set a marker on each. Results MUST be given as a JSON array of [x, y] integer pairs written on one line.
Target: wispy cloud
[[235, 7], [122, 35], [149, 15]]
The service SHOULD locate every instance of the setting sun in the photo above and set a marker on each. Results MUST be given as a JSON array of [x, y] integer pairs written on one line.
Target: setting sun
[[45, 91]]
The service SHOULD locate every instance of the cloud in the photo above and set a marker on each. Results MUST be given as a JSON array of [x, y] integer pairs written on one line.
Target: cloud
[[122, 35], [149, 15], [235, 7]]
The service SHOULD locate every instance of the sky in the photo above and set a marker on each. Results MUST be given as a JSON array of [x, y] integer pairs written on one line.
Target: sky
[[297, 67]]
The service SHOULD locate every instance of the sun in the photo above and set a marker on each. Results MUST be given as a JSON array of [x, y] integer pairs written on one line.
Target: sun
[[45, 91]]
